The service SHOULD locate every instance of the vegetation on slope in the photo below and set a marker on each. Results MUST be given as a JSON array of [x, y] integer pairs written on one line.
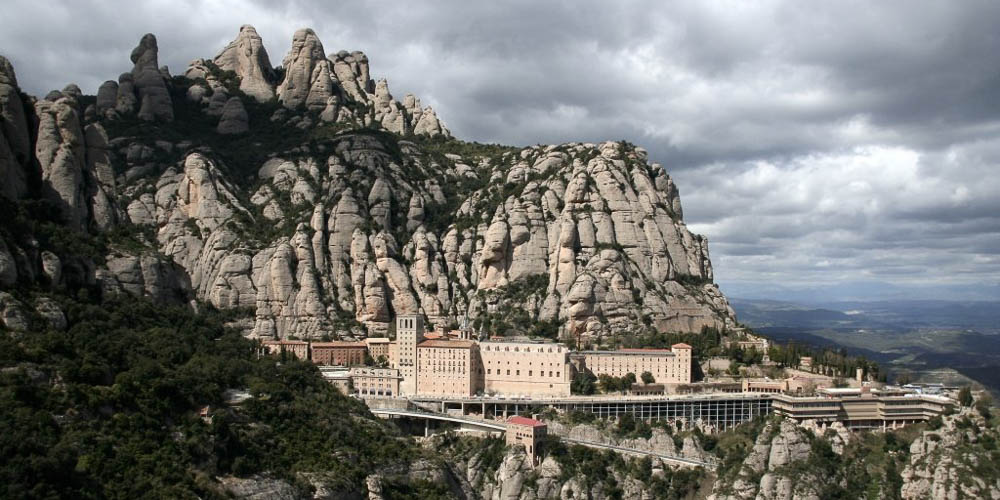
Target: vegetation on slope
[[110, 408]]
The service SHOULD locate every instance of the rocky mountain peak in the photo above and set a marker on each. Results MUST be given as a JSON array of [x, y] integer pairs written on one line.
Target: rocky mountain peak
[[325, 210], [247, 57], [154, 99], [305, 54]]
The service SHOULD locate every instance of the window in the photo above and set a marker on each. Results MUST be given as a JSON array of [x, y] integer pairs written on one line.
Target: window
[[518, 372], [508, 371]]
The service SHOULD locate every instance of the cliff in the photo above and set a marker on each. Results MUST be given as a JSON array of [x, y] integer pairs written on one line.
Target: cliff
[[310, 199]]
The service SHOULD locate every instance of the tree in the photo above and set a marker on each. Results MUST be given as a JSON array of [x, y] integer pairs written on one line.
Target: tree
[[647, 378], [965, 396], [628, 380], [583, 383], [607, 382], [983, 406]]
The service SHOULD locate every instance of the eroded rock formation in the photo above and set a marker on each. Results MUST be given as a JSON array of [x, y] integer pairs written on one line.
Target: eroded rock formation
[[345, 230]]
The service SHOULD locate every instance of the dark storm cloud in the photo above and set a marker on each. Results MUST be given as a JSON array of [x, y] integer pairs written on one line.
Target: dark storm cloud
[[813, 142]]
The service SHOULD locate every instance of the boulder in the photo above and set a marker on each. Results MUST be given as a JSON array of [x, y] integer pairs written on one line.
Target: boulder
[[126, 103], [107, 96], [234, 118]]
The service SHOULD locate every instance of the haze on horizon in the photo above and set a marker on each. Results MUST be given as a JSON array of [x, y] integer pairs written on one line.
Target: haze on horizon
[[842, 146]]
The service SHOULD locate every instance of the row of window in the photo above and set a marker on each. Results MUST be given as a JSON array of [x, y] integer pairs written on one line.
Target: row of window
[[497, 348], [489, 371]]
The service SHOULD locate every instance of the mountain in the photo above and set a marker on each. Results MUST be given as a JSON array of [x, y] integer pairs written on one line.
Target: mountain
[[309, 199]]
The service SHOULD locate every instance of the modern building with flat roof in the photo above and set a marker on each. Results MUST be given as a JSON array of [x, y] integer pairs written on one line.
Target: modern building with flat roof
[[863, 408]]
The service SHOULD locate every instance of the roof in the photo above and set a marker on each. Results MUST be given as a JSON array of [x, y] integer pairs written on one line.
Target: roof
[[377, 340], [285, 342], [631, 352], [432, 335], [338, 343], [530, 422], [681, 346], [454, 344]]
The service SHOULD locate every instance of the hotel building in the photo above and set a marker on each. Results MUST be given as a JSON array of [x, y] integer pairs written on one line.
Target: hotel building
[[297, 348], [448, 368], [668, 366], [339, 353], [377, 346], [525, 368]]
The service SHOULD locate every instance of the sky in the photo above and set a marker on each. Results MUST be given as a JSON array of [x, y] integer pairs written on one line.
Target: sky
[[845, 146]]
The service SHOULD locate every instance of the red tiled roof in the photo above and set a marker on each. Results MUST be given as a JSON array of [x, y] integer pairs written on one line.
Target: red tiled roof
[[455, 344], [432, 335], [680, 346], [530, 422], [284, 342], [646, 349]]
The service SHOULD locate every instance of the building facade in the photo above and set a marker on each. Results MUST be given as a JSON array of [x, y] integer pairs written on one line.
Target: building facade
[[668, 366], [525, 368], [297, 348], [375, 381], [448, 368], [409, 333], [339, 353], [377, 346], [862, 408], [527, 432]]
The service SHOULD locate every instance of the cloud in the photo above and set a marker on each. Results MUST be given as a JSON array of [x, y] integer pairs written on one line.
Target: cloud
[[811, 142]]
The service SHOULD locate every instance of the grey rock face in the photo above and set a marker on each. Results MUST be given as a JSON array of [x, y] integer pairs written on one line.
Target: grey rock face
[[234, 118], [247, 57], [103, 207], [305, 54], [60, 150], [15, 141], [107, 96], [126, 103], [13, 313], [154, 98], [52, 312], [8, 265]]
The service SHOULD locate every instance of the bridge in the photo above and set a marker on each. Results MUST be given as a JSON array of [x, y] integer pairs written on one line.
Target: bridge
[[466, 422], [471, 423]]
